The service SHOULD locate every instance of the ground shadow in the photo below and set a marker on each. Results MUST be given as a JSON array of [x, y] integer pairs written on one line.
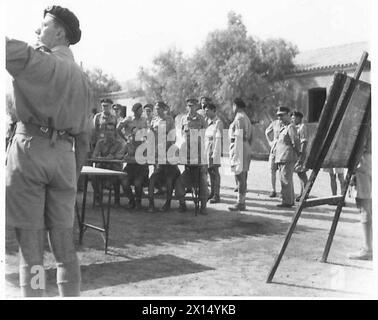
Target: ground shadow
[[289, 212], [143, 228], [99, 275]]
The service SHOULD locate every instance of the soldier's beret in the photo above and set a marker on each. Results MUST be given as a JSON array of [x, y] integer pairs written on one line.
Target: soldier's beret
[[297, 113], [106, 100], [161, 104], [210, 106], [239, 103], [67, 20], [192, 100], [282, 110], [207, 99], [136, 106], [148, 106]]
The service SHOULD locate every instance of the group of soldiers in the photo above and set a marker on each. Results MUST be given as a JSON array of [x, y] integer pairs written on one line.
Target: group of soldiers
[[115, 138], [50, 145]]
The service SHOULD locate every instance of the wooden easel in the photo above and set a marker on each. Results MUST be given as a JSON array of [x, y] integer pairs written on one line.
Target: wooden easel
[[339, 97]]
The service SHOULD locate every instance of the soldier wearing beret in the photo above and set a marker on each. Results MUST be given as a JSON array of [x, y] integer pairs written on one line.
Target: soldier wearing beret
[[101, 119], [53, 102], [137, 121], [190, 122], [286, 155]]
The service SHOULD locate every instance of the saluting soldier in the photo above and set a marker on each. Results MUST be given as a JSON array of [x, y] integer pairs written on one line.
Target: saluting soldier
[[189, 123], [213, 147], [53, 103], [240, 133]]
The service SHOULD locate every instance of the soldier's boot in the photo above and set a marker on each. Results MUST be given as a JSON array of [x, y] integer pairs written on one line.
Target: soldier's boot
[[131, 203], [240, 206], [237, 207], [203, 209], [182, 206], [166, 207], [138, 204], [151, 206], [215, 199]]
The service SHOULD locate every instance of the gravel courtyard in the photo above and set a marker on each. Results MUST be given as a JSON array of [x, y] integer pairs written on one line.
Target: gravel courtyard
[[221, 254]]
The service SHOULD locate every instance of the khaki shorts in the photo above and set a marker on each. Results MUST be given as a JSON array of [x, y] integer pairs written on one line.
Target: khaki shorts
[[40, 183]]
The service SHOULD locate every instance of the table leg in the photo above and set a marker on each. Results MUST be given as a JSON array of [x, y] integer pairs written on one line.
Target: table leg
[[107, 223], [82, 219]]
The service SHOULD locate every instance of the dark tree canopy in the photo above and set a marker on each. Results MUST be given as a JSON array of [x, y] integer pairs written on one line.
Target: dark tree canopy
[[229, 64]]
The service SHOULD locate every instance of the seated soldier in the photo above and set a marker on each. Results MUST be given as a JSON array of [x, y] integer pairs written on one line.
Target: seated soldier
[[137, 174], [164, 174], [108, 148]]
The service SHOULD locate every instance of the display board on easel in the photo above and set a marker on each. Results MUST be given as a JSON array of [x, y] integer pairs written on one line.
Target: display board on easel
[[339, 140]]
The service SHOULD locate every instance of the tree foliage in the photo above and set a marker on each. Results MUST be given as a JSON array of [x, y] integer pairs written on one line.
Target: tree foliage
[[229, 64], [101, 83]]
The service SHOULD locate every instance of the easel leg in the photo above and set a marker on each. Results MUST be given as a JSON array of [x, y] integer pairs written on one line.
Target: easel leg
[[294, 222], [286, 242], [336, 219]]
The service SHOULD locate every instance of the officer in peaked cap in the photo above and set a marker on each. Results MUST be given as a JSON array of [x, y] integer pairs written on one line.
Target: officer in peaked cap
[[101, 119], [44, 160], [282, 110]]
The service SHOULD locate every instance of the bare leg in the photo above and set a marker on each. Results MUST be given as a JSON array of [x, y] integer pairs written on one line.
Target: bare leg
[[68, 269]]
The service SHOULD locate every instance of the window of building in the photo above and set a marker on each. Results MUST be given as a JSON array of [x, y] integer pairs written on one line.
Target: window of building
[[316, 100]]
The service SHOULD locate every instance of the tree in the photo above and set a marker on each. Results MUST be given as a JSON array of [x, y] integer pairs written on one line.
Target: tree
[[230, 64], [101, 83]]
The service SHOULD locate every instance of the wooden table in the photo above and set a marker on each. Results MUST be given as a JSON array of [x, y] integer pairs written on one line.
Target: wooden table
[[87, 172]]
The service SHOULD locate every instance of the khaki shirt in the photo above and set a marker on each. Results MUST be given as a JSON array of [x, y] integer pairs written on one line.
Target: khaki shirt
[[274, 128], [240, 134], [193, 122], [100, 121], [50, 88], [287, 147], [213, 140], [128, 124], [111, 149]]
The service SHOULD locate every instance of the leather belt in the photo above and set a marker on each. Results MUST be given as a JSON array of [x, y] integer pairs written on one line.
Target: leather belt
[[43, 131]]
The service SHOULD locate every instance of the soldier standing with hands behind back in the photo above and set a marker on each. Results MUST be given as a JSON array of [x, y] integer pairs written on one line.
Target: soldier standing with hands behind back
[[51, 141]]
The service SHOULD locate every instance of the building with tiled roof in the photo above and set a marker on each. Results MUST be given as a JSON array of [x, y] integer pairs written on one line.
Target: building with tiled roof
[[328, 60], [308, 84]]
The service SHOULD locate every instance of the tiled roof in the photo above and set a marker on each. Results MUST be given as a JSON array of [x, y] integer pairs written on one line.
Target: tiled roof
[[344, 56]]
